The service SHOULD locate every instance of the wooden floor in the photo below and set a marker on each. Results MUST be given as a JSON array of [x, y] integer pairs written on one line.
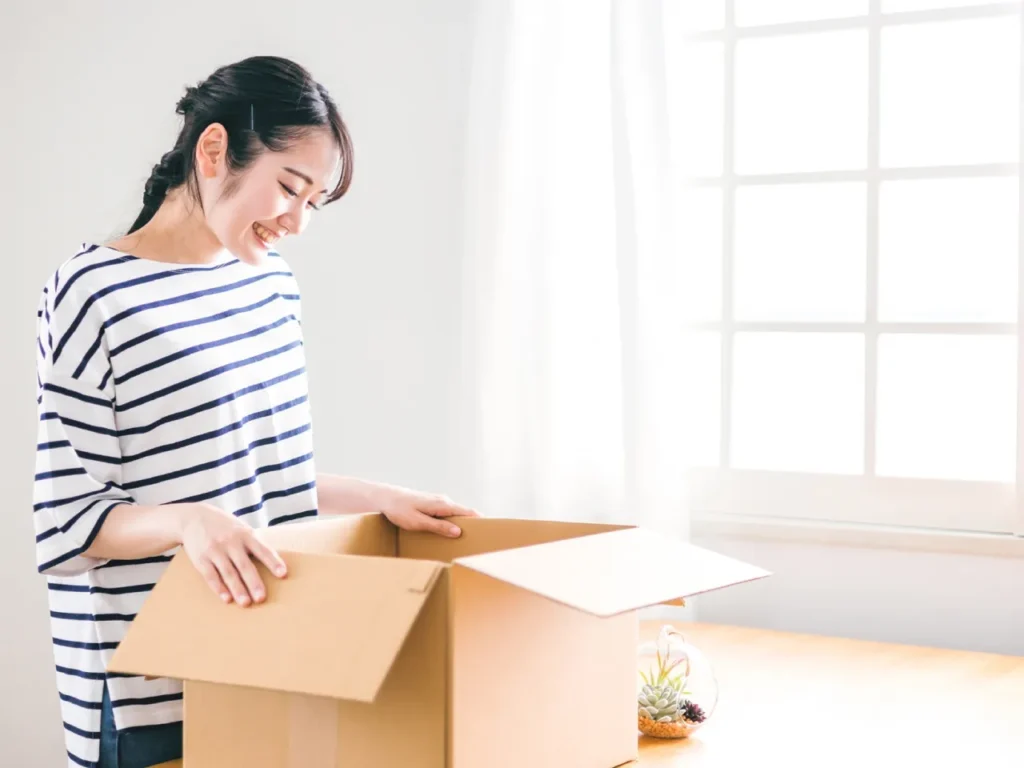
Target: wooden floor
[[802, 701]]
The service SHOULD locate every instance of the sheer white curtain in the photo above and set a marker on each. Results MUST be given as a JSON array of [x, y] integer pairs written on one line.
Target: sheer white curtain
[[574, 377]]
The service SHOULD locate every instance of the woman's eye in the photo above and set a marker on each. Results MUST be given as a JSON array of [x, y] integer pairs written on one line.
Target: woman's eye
[[292, 193]]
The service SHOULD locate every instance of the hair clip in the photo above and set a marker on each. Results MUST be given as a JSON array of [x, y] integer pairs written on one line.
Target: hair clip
[[252, 118]]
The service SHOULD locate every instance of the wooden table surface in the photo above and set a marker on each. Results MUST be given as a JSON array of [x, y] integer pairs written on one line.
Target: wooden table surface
[[803, 701]]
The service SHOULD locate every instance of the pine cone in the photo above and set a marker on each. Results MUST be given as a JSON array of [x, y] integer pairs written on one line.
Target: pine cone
[[692, 712]]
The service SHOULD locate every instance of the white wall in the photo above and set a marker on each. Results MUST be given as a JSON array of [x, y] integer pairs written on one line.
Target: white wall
[[89, 93], [936, 599]]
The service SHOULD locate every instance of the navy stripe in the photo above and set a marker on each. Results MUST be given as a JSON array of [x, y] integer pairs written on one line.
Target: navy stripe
[[53, 444], [212, 403], [191, 323], [72, 499], [139, 561], [110, 646], [41, 350], [122, 259], [87, 356], [215, 433], [79, 732], [147, 700], [66, 526], [270, 495], [49, 332], [84, 271], [121, 407], [91, 675], [92, 616], [99, 457], [80, 761], [79, 550], [185, 472], [169, 302], [247, 481], [67, 422], [88, 250], [80, 703], [296, 516], [77, 395], [59, 473], [58, 587], [106, 378], [117, 287], [200, 347]]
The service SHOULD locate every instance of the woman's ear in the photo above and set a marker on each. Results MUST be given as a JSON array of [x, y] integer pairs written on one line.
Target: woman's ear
[[211, 151]]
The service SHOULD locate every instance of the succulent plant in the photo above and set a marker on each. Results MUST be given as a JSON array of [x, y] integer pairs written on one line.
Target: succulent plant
[[692, 712], [664, 676], [663, 696], [661, 703]]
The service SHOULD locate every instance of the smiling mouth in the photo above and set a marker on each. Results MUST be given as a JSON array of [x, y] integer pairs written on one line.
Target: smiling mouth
[[265, 235]]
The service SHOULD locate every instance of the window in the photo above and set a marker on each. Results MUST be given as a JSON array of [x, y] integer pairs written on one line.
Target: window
[[849, 211]]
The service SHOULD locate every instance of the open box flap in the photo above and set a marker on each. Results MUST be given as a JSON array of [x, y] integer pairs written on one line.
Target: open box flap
[[610, 573], [332, 627], [359, 534], [489, 534]]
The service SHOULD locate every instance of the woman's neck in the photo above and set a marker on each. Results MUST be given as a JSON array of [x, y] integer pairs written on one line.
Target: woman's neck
[[177, 233]]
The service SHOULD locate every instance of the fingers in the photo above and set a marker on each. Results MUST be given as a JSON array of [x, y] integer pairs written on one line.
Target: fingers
[[445, 507], [233, 576], [248, 573], [212, 577], [268, 557], [435, 525], [229, 573]]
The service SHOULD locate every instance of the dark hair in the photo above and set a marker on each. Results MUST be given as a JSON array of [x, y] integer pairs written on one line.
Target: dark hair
[[264, 102]]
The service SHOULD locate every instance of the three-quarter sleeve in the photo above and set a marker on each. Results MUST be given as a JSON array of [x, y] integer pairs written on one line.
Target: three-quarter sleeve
[[78, 458]]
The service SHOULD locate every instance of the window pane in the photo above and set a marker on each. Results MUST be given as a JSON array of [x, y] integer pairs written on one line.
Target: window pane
[[702, 398], [798, 402], [693, 15], [801, 102], [696, 82], [800, 252], [895, 6], [950, 92], [751, 12], [947, 406], [700, 234], [948, 250]]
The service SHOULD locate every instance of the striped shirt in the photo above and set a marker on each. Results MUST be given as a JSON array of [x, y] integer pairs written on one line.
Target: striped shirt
[[157, 383]]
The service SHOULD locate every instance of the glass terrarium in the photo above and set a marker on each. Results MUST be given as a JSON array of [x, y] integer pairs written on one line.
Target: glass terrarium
[[676, 690]]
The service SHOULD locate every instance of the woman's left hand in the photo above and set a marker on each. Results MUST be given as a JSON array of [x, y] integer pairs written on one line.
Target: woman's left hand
[[416, 511]]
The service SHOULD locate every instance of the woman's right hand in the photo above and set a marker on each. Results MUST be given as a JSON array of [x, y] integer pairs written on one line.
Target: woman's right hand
[[221, 547]]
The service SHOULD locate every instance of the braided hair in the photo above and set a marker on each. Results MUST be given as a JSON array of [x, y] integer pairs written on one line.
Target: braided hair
[[265, 103]]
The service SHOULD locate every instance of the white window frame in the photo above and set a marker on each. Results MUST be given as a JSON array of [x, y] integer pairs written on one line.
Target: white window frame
[[940, 505]]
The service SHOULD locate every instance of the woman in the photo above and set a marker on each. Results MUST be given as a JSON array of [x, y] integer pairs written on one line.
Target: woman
[[172, 395]]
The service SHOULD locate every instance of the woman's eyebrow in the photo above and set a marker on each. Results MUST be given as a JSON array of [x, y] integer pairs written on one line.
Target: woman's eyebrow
[[304, 177]]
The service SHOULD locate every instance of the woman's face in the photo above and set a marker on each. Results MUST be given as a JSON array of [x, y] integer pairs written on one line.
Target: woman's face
[[274, 197]]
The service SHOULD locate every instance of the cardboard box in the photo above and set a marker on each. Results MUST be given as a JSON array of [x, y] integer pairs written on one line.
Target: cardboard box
[[514, 645]]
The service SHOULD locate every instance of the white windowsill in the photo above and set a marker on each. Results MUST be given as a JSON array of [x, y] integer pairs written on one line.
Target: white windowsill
[[857, 535]]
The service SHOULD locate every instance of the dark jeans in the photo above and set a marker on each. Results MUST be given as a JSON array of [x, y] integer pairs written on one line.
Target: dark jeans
[[138, 747]]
